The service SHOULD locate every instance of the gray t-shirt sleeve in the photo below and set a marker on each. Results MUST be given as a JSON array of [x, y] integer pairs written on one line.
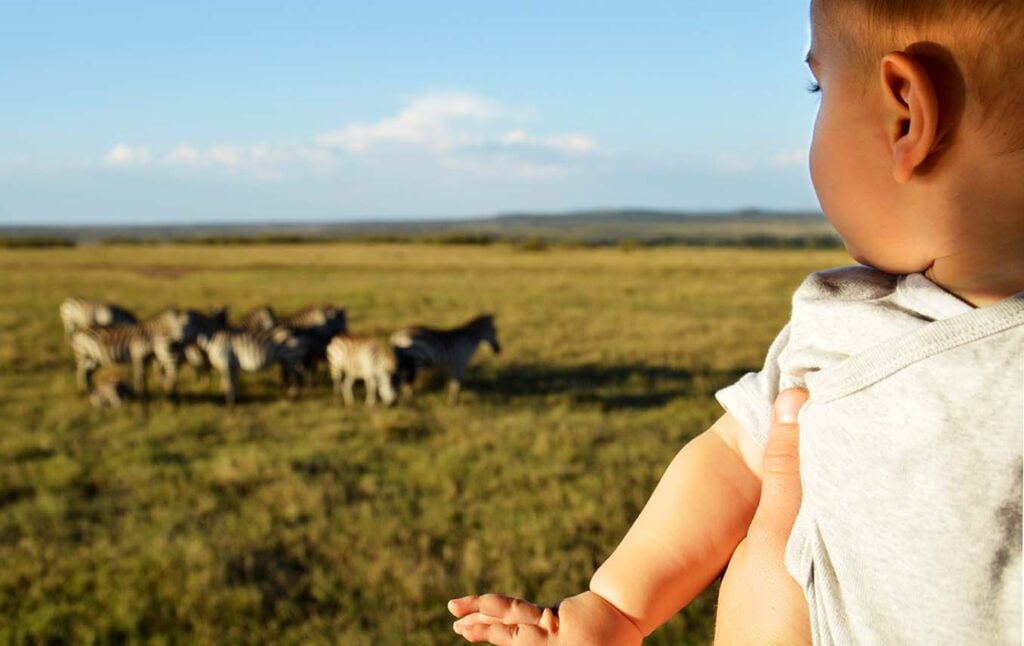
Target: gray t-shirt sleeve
[[750, 399]]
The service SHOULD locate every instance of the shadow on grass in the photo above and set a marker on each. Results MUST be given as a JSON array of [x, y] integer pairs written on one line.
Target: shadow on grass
[[612, 387], [212, 397], [609, 386]]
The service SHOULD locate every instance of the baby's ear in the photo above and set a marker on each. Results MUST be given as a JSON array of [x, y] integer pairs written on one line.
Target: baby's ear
[[911, 112]]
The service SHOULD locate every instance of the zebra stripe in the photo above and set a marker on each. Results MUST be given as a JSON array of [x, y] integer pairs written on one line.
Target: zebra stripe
[[321, 320], [351, 358], [232, 350], [258, 319], [215, 319], [418, 347], [77, 313], [318, 324], [160, 337]]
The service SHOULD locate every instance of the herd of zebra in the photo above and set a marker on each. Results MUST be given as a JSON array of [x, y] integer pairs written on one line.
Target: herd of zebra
[[105, 334]]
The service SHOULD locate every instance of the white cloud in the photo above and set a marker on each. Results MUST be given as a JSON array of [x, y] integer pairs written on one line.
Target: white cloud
[[259, 160], [439, 121], [745, 163], [246, 157], [125, 155], [571, 143], [455, 124], [184, 155], [793, 157], [457, 131]]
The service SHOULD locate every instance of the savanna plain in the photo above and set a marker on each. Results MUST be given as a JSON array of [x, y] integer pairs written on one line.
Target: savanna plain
[[302, 521]]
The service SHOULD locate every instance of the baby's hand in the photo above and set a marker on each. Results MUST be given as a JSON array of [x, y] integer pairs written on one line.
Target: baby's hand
[[504, 621], [584, 619]]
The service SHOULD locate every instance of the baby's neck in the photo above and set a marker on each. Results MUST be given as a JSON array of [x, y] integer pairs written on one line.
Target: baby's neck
[[984, 276], [980, 252]]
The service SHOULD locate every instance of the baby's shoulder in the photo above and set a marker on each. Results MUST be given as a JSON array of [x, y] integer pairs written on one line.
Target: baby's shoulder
[[844, 310], [852, 283]]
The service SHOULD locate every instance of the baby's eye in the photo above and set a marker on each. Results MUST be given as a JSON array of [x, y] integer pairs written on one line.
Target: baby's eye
[[813, 87]]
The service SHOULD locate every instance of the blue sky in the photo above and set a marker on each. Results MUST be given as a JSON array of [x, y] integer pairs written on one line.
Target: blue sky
[[210, 112]]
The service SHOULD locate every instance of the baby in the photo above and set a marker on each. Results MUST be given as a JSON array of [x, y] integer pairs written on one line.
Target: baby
[[911, 444]]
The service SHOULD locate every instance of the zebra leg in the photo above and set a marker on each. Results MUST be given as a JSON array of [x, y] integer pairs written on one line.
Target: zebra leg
[[170, 370], [371, 390], [228, 383], [84, 370], [346, 391], [454, 385], [406, 378], [294, 379], [204, 374], [387, 389], [336, 375], [139, 366]]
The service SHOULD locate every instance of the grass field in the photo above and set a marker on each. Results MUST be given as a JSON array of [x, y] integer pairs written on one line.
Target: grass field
[[303, 522]]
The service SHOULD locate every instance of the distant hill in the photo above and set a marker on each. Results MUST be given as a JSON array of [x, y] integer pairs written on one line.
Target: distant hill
[[750, 227]]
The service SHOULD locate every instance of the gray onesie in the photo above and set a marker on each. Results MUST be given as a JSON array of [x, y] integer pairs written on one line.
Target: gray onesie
[[910, 455]]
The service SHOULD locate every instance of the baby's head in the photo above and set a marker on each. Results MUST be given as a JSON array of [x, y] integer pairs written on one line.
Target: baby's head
[[918, 148]]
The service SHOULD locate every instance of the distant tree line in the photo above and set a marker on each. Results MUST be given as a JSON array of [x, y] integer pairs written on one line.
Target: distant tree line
[[532, 242]]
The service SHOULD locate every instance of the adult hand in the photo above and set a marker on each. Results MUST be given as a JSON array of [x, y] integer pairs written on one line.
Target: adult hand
[[759, 602]]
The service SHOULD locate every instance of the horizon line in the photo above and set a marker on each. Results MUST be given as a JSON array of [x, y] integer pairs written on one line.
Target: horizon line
[[408, 219]]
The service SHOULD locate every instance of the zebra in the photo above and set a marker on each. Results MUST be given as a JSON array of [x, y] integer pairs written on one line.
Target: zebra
[[417, 347], [258, 319], [351, 358], [109, 393], [216, 318], [76, 313], [232, 350], [318, 324], [161, 337]]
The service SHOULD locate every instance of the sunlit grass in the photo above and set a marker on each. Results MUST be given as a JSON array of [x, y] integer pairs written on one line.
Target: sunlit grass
[[299, 522]]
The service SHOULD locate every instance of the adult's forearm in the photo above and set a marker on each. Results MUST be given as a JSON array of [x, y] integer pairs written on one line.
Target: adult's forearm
[[759, 602]]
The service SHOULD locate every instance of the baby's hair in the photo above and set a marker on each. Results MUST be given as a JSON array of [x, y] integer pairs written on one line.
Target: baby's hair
[[986, 38]]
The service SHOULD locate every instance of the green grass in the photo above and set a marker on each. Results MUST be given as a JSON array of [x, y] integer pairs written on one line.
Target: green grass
[[304, 522]]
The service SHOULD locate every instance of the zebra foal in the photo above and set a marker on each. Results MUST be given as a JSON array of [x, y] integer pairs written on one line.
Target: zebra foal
[[418, 347], [80, 313], [351, 358], [161, 337], [232, 350]]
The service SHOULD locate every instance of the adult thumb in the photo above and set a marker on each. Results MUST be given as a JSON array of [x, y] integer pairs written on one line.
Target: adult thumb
[[780, 486]]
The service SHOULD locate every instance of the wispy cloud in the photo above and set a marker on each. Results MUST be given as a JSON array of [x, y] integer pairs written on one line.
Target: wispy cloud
[[571, 143], [792, 157], [745, 163], [125, 155], [460, 131], [440, 122], [260, 160]]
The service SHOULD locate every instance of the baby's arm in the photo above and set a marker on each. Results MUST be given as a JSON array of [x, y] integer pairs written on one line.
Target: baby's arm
[[688, 529], [681, 541]]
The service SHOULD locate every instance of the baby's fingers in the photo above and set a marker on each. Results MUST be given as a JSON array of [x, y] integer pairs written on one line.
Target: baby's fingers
[[505, 634], [508, 609], [474, 618]]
